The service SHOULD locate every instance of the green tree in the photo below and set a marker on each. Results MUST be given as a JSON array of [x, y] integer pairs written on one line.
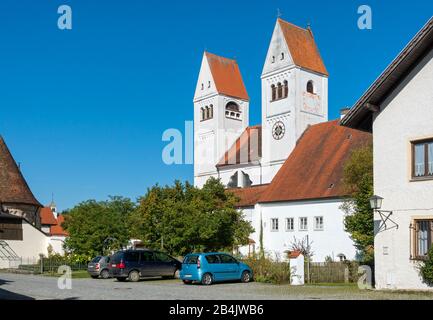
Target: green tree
[[359, 219], [91, 223], [426, 269], [182, 219]]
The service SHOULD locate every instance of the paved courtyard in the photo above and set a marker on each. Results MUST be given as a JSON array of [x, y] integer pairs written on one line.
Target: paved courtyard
[[15, 286]]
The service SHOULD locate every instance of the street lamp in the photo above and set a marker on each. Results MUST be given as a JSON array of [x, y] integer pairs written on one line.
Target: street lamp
[[385, 215], [376, 202]]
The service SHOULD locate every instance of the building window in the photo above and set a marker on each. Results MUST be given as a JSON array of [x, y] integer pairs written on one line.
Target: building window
[[208, 85], [273, 59], [282, 55], [274, 224], [422, 159], [318, 223], [233, 183], [290, 224], [286, 89], [423, 235], [233, 111], [202, 86], [274, 92], [279, 91], [211, 111], [202, 114], [310, 87], [303, 224]]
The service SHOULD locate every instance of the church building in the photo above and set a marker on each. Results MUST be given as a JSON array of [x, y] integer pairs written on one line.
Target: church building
[[287, 171]]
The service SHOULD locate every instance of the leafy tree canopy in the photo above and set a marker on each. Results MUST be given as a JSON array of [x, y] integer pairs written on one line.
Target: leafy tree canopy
[[96, 227], [359, 220], [182, 219]]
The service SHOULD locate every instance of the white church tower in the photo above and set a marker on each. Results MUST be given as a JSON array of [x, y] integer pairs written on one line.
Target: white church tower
[[294, 93], [221, 113]]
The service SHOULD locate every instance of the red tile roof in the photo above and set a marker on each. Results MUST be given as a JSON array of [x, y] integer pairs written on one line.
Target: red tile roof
[[248, 196], [13, 186], [246, 149], [302, 47], [57, 230], [314, 170], [47, 217], [227, 76]]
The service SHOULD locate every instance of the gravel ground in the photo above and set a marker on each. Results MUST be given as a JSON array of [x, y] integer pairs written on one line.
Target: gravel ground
[[16, 286]]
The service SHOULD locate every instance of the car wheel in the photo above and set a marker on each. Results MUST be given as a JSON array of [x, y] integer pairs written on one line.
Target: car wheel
[[207, 279], [187, 281], [134, 276], [95, 277], [105, 274], [121, 279], [246, 277], [176, 274]]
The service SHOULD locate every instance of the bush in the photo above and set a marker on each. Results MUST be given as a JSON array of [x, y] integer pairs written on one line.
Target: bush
[[269, 271], [426, 269]]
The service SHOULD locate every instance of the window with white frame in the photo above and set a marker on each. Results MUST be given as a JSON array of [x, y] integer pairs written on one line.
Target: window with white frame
[[290, 224], [318, 223], [274, 224], [303, 224]]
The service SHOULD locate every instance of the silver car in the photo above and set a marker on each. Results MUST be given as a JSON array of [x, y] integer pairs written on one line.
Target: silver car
[[98, 267]]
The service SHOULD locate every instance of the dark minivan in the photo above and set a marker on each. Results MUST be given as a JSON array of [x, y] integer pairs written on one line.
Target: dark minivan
[[133, 265]]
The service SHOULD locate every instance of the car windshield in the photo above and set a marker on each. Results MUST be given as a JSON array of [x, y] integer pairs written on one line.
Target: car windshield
[[95, 260], [190, 259]]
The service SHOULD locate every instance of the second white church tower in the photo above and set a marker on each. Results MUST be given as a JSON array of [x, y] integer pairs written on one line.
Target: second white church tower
[[294, 96]]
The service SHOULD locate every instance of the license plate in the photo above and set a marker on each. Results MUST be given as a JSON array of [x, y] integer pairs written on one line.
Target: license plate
[[188, 276], [113, 266]]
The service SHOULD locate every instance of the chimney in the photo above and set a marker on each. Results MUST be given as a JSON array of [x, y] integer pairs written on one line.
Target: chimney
[[343, 112]]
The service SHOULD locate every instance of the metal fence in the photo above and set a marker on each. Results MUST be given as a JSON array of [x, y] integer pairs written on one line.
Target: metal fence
[[44, 265]]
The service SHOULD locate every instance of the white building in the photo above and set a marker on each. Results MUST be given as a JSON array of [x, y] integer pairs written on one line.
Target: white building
[[398, 109], [26, 229], [287, 171]]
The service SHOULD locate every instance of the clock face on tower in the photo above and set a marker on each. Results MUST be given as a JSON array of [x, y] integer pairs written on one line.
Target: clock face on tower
[[278, 130]]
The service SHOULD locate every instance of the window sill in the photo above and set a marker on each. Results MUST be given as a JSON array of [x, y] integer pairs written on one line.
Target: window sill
[[278, 99], [425, 178], [231, 118]]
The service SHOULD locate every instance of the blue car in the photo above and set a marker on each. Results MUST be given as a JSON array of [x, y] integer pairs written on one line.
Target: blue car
[[208, 268]]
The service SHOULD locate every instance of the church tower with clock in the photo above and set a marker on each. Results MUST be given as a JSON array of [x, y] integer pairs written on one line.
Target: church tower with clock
[[294, 93]]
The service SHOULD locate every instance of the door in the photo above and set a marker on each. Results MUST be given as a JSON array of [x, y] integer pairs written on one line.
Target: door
[[132, 261], [230, 267], [147, 264], [166, 265], [215, 267]]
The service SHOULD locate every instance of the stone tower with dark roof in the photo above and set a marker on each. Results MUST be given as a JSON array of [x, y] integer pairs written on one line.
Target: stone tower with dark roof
[[16, 198]]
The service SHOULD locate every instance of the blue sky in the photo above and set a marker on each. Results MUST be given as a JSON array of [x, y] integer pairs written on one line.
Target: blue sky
[[84, 110]]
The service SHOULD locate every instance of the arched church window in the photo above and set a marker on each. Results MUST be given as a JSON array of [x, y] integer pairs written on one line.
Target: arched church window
[[206, 114], [211, 111], [233, 183], [282, 55], [274, 92], [233, 111], [279, 90], [310, 87], [202, 114], [208, 85], [286, 89], [202, 86], [246, 181], [273, 59]]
